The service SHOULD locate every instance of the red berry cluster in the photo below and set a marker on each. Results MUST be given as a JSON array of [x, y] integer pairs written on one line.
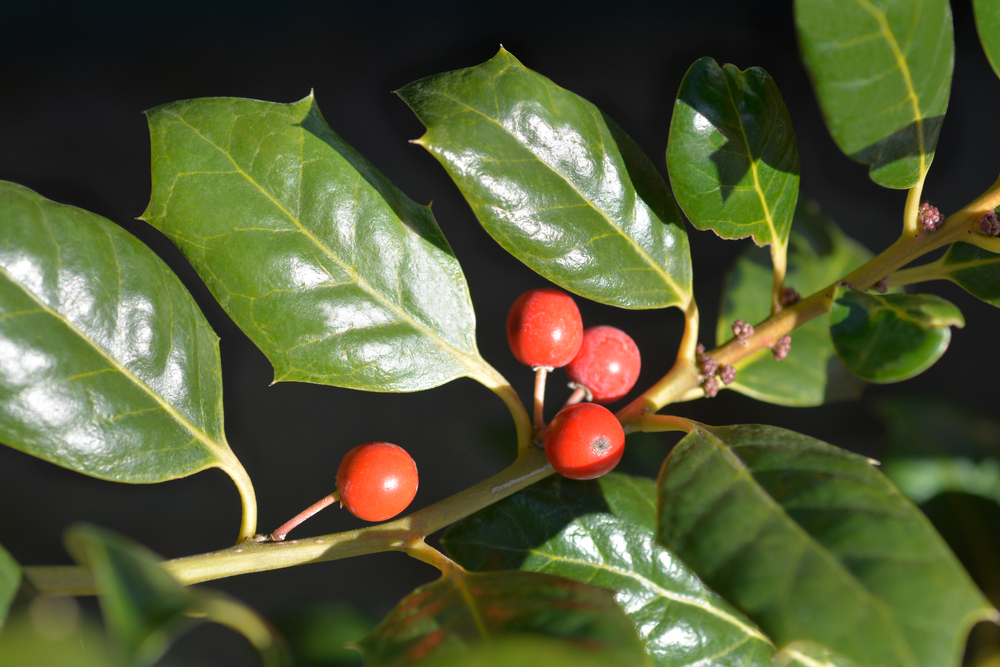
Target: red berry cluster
[[545, 330]]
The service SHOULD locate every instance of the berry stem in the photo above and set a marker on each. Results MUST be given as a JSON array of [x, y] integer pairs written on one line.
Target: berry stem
[[541, 373], [579, 393], [285, 528]]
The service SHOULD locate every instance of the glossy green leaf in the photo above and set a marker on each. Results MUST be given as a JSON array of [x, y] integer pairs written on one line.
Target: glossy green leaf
[[815, 544], [450, 615], [145, 608], [40, 641], [107, 366], [602, 532], [556, 182], [732, 157], [336, 275], [975, 270], [891, 337], [988, 26], [882, 72], [818, 255], [10, 580]]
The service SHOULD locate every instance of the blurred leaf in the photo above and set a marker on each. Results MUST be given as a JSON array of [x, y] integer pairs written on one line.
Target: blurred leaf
[[935, 446], [988, 26], [892, 337], [815, 544], [602, 532], [556, 182], [975, 270], [351, 283], [732, 158], [882, 72], [318, 635], [28, 642], [449, 616], [145, 608], [819, 254], [10, 580], [107, 366]]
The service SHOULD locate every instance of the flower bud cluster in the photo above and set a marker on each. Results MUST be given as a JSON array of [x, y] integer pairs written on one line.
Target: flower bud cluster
[[929, 217]]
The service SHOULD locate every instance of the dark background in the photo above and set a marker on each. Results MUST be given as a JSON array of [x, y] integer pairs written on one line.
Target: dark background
[[75, 77]]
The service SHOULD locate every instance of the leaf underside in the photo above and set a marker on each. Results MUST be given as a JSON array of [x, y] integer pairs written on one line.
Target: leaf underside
[[556, 182], [816, 545], [107, 366], [975, 270], [330, 270], [882, 72]]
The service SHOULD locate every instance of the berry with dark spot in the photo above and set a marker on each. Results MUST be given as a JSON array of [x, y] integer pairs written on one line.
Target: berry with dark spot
[[584, 441]]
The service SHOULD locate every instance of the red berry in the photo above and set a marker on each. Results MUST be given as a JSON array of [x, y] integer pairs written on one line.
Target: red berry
[[544, 328], [376, 481], [584, 441], [607, 364]]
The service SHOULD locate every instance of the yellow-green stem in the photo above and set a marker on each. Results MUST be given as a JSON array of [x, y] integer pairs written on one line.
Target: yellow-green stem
[[242, 619], [248, 499], [253, 556], [522, 421], [779, 258], [911, 212]]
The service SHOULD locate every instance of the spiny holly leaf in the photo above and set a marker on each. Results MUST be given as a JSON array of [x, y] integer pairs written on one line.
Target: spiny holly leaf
[[10, 580], [813, 543], [892, 337], [882, 73], [732, 157], [602, 532], [988, 26], [145, 608], [107, 366], [556, 182], [819, 254], [451, 615], [335, 274]]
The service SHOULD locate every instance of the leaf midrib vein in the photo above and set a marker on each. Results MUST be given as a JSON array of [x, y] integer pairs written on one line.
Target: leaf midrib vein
[[639, 249], [221, 452], [463, 358]]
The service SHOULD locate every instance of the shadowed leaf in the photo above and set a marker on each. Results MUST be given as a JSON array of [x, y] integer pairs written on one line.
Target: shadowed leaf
[[988, 26], [815, 544], [10, 579], [819, 254]]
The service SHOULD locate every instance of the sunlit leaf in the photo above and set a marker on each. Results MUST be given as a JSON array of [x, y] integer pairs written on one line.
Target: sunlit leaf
[[107, 366], [336, 275], [457, 612], [145, 608], [732, 157], [891, 337], [602, 532], [882, 72], [10, 579], [988, 25], [819, 254], [556, 182], [814, 543], [523, 651]]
